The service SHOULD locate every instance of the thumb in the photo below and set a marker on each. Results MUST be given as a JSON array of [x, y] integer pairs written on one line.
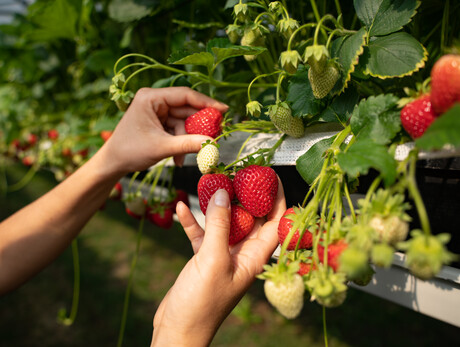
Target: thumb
[[180, 145], [218, 219]]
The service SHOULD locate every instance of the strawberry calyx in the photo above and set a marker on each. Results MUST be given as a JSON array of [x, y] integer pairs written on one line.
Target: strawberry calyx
[[316, 56], [327, 287], [280, 272]]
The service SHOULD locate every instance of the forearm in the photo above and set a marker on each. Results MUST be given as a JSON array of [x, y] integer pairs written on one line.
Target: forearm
[[34, 236]]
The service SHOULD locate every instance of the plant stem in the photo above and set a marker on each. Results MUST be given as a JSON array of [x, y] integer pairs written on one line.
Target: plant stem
[[130, 283], [24, 181], [415, 194], [325, 327], [76, 286]]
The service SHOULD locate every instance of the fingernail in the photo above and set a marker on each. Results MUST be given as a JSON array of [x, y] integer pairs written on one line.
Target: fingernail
[[221, 198]]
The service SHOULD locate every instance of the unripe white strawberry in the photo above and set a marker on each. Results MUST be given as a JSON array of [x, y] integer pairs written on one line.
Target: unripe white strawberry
[[207, 157], [284, 288], [135, 205], [286, 297], [391, 229]]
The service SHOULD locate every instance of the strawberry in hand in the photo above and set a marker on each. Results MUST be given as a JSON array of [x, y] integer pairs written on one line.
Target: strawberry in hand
[[211, 183], [241, 224], [256, 188], [207, 121]]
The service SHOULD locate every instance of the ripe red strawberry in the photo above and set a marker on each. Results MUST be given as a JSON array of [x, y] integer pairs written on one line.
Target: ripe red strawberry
[[209, 184], [53, 134], [32, 139], [105, 134], [207, 121], [116, 192], [66, 152], [334, 250], [28, 160], [445, 83], [256, 188], [417, 116], [161, 215], [242, 223], [284, 227]]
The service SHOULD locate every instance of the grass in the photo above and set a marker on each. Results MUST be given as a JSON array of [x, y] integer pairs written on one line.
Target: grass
[[28, 316]]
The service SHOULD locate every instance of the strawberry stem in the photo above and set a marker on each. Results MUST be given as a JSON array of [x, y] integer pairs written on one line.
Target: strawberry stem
[[130, 283], [67, 321], [24, 180], [325, 327], [415, 194]]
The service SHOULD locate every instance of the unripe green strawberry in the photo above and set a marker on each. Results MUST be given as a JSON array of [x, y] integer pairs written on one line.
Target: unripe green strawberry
[[287, 26], [426, 254], [316, 56], [354, 262], [233, 32], [251, 42], [391, 229], [290, 60], [382, 255], [281, 116], [323, 82], [284, 288], [254, 108], [241, 11], [326, 287], [207, 157], [366, 277]]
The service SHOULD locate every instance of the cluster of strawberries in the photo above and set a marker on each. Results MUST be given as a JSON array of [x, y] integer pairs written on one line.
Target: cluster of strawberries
[[418, 115], [160, 214], [252, 188]]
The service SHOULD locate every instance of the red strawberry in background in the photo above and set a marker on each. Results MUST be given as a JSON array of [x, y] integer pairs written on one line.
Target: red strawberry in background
[[334, 250], [105, 134], [53, 134], [28, 160], [242, 223], [256, 188], [32, 139], [445, 83], [161, 215], [417, 116], [181, 195], [135, 205], [207, 121], [285, 226], [211, 183], [116, 192]]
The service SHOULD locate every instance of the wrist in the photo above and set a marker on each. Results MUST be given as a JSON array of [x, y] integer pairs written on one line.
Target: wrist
[[180, 337]]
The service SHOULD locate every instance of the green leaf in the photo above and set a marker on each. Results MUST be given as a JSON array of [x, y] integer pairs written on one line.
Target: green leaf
[[347, 50], [376, 118], [174, 80], [202, 58], [310, 163], [444, 132], [395, 55], [55, 19], [235, 51], [340, 109], [101, 60], [300, 95], [366, 154], [130, 10], [382, 17]]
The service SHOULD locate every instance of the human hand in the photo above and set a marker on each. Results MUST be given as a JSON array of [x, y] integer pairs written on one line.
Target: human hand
[[153, 128], [217, 276]]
